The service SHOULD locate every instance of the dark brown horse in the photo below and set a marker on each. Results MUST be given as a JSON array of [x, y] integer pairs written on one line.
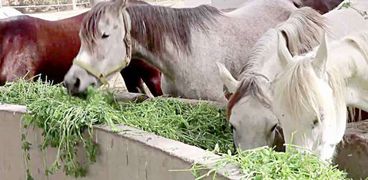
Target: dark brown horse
[[31, 46], [323, 6]]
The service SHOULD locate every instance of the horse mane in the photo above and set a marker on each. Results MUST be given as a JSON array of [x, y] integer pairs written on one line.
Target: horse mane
[[154, 25], [89, 29], [302, 30], [299, 88], [249, 87]]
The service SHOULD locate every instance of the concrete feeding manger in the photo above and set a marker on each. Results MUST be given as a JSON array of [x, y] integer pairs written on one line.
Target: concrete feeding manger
[[130, 154], [135, 154]]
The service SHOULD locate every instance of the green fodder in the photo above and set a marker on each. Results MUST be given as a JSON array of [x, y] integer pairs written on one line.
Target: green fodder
[[200, 125], [67, 122], [63, 120], [265, 163]]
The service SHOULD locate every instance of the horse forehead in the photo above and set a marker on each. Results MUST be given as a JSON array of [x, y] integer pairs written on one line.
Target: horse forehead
[[308, 56], [106, 21], [239, 101]]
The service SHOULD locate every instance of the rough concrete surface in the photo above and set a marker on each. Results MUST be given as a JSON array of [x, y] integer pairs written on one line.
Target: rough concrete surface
[[352, 153], [129, 155], [133, 154]]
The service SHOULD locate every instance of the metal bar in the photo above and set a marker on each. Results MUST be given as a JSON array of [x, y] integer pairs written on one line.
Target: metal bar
[[58, 3], [74, 4]]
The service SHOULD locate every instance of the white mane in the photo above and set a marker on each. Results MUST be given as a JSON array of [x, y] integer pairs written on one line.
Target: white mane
[[298, 83], [303, 30], [299, 89]]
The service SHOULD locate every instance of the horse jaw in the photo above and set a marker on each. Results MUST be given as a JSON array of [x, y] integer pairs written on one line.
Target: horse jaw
[[229, 81]]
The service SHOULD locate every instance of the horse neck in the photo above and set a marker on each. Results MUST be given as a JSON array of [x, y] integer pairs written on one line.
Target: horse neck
[[342, 22], [72, 22], [253, 7], [263, 58], [302, 30], [159, 46], [350, 60]]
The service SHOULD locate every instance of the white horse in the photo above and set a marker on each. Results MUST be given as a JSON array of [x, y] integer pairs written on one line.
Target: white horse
[[249, 109], [312, 93], [183, 44], [6, 12]]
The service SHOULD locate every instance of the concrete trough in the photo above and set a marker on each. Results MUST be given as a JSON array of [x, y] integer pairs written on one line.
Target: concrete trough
[[133, 154], [129, 155]]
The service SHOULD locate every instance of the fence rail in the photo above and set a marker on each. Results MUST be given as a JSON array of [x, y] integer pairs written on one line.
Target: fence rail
[[21, 5], [47, 5]]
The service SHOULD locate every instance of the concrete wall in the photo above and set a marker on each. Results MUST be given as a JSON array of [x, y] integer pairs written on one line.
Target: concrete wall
[[129, 155], [135, 155]]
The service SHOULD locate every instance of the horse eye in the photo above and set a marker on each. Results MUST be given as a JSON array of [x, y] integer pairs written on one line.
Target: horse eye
[[315, 123], [104, 36]]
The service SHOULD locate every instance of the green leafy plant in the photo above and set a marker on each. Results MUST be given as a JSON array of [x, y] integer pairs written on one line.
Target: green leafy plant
[[265, 163], [68, 121]]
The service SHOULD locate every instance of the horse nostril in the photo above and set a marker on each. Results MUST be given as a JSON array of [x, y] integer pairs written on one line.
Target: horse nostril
[[77, 83]]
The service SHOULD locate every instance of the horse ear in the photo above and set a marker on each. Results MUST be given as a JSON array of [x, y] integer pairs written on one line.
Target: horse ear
[[229, 81], [319, 63], [283, 52]]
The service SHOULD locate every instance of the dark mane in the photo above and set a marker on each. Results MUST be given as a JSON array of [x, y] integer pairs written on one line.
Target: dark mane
[[249, 87], [153, 25], [89, 30]]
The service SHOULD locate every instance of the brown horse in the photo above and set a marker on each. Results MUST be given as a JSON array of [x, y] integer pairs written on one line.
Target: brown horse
[[323, 6], [31, 46]]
